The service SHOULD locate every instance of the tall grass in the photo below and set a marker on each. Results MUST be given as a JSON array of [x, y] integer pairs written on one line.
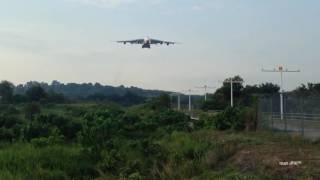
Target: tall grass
[[24, 161]]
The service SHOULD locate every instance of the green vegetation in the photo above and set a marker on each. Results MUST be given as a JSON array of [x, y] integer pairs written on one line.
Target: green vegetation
[[41, 139], [149, 141]]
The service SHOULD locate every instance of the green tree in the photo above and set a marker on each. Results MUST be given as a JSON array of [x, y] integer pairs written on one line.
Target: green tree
[[221, 98], [6, 91], [160, 102], [31, 109], [230, 118], [35, 93], [264, 88]]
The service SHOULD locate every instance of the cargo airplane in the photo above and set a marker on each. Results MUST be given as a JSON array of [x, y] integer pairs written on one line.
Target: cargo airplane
[[147, 42]]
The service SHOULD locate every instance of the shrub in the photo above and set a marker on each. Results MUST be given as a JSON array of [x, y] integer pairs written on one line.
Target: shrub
[[31, 110], [40, 142], [135, 176], [206, 121], [10, 127], [231, 118], [67, 126], [111, 160], [6, 134], [159, 103], [183, 146], [36, 129], [171, 120]]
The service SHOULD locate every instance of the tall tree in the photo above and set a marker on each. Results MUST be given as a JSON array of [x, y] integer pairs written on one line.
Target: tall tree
[[35, 93], [221, 98], [6, 91], [264, 88]]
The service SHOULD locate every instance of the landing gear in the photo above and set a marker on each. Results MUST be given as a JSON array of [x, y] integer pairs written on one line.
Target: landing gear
[[146, 46]]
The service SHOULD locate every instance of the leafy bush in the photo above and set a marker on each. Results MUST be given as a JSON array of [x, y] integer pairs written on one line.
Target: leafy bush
[[11, 127], [6, 134], [111, 160], [53, 139], [159, 103], [31, 110], [68, 127], [206, 121], [231, 118]]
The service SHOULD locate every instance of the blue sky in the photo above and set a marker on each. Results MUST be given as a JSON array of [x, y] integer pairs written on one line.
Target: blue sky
[[71, 41]]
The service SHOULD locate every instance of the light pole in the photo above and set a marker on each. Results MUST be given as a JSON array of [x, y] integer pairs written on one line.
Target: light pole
[[231, 81], [205, 87], [189, 99], [281, 71], [179, 99], [179, 105], [189, 94]]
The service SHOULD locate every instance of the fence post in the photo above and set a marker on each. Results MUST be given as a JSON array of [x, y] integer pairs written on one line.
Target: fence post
[[271, 107], [302, 125], [272, 126], [285, 124], [302, 118], [285, 117]]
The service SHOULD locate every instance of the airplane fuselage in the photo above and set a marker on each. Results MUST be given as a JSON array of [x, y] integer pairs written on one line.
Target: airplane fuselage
[[146, 43]]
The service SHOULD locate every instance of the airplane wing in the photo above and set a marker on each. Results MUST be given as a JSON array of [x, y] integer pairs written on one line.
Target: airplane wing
[[136, 41], [154, 41]]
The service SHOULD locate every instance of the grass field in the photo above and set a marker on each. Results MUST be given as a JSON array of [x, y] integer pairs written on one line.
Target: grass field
[[199, 155]]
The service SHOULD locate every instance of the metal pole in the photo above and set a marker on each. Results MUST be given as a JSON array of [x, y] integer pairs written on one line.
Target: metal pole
[[281, 70], [272, 123], [189, 100], [302, 120], [302, 124], [231, 82], [281, 96], [205, 87], [281, 105], [205, 91]]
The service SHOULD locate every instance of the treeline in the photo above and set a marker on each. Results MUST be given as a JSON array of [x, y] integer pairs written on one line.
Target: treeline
[[243, 95], [32, 94], [246, 95], [79, 91], [57, 92], [310, 89]]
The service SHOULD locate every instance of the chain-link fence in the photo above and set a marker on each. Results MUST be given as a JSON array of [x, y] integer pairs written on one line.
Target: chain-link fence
[[301, 115]]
